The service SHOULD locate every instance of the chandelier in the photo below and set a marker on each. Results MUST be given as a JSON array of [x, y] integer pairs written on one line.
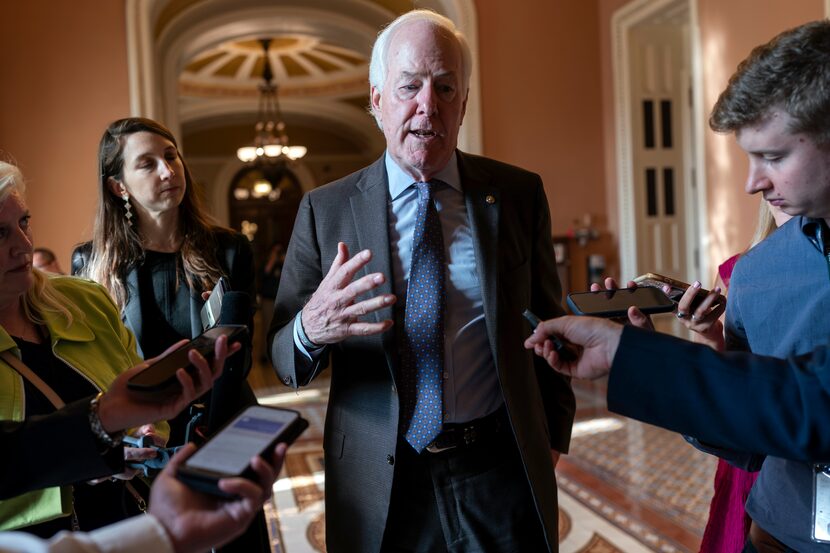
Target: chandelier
[[270, 139]]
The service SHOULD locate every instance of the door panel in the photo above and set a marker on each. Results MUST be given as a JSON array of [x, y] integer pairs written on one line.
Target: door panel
[[658, 66]]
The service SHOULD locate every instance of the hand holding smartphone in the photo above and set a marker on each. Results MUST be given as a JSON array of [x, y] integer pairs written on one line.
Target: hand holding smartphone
[[254, 431], [676, 288], [159, 379]]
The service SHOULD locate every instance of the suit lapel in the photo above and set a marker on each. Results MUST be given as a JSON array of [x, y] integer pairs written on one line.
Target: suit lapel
[[483, 203], [132, 311], [369, 206]]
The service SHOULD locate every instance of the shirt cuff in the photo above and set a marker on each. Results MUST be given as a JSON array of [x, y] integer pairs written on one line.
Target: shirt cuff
[[299, 334]]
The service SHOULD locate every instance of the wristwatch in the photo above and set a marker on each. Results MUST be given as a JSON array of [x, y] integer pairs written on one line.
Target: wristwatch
[[104, 438]]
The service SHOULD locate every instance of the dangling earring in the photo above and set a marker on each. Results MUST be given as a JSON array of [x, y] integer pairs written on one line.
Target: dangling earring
[[128, 208]]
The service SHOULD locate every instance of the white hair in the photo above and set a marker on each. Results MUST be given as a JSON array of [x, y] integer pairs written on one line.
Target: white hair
[[11, 180], [379, 62]]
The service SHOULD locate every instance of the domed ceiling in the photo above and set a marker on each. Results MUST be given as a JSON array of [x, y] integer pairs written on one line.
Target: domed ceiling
[[303, 66]]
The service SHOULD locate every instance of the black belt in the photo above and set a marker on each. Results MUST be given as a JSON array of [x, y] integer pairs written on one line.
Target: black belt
[[464, 434]]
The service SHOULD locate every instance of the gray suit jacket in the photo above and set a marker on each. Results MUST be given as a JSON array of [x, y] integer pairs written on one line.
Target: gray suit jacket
[[517, 270]]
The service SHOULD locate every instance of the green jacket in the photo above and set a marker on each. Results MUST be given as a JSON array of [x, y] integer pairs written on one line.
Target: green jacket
[[98, 346]]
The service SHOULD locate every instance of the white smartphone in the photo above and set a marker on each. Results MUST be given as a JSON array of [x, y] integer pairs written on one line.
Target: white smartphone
[[254, 431], [213, 306]]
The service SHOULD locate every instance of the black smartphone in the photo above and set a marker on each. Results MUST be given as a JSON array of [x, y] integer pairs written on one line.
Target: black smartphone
[[213, 306], [561, 347], [676, 288], [253, 431], [615, 303], [160, 378]]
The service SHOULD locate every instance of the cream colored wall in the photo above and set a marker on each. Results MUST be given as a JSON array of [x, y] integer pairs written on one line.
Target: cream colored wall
[[540, 83], [64, 74], [726, 39]]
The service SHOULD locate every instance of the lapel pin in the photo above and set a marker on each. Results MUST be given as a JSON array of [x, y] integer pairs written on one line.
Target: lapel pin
[[490, 199]]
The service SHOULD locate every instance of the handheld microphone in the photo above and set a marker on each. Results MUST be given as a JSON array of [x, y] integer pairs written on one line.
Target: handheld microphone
[[225, 399]]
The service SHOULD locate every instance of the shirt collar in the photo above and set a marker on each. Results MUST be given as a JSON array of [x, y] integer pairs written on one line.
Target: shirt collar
[[399, 180], [817, 232]]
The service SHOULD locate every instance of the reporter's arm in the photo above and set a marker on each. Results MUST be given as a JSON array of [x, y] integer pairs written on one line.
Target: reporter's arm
[[66, 430], [738, 400], [140, 534]]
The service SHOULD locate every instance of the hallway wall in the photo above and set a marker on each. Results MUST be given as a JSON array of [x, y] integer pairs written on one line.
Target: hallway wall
[[541, 95], [64, 79]]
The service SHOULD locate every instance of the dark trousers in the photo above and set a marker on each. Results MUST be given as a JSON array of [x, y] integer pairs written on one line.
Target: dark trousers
[[473, 499]]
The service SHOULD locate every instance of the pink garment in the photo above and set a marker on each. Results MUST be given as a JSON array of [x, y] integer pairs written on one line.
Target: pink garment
[[728, 524], [725, 269]]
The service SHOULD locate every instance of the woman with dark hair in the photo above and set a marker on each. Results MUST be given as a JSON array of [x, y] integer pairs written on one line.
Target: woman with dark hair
[[158, 252], [154, 247]]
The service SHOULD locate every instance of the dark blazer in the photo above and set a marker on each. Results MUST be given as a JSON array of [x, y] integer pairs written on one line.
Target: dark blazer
[[735, 400], [28, 461], [508, 213], [235, 257], [231, 391]]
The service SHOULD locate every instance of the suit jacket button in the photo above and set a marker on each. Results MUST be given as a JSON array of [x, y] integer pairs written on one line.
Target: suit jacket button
[[390, 459], [287, 380]]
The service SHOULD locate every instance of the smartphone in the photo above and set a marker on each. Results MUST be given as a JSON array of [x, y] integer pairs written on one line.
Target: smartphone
[[253, 431], [159, 379], [677, 288], [615, 303], [213, 306], [565, 353]]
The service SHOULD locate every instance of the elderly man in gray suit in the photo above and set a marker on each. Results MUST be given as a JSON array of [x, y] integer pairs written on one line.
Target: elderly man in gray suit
[[442, 432]]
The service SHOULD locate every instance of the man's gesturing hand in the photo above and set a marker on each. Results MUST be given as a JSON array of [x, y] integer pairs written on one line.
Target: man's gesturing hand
[[332, 314]]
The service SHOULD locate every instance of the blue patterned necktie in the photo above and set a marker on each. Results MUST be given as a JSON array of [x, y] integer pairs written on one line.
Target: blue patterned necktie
[[422, 351]]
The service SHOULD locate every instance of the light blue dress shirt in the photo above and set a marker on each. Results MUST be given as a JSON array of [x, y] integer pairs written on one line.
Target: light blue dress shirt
[[471, 386]]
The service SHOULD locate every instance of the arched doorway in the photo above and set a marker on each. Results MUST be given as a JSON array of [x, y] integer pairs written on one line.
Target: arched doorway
[[263, 201]]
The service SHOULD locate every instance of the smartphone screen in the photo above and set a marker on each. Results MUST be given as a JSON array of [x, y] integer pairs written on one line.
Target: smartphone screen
[[161, 375], [615, 303], [250, 433]]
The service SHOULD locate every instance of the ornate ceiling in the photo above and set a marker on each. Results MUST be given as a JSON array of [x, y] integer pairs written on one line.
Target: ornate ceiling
[[303, 66]]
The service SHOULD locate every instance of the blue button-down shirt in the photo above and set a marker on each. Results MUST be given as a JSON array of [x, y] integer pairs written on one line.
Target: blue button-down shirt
[[779, 300]]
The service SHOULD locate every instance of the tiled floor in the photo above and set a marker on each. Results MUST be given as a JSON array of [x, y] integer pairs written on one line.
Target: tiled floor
[[624, 487]]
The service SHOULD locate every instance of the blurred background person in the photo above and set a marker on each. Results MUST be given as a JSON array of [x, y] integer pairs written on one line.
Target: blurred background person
[[44, 259]]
